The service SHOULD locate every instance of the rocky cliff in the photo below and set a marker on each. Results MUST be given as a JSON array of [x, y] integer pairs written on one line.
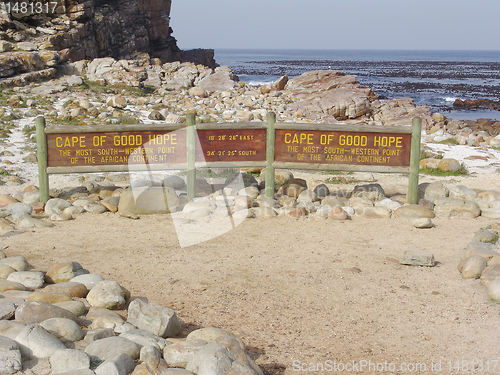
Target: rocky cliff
[[72, 30]]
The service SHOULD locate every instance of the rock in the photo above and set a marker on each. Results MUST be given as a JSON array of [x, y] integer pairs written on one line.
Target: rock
[[30, 279], [422, 223], [418, 257], [494, 289], [144, 338], [331, 201], [281, 176], [373, 192], [108, 294], [36, 312], [472, 267], [64, 329], [449, 165], [62, 272], [76, 307], [486, 235], [48, 297], [120, 364], [461, 192], [180, 353], [307, 196], [10, 356], [68, 360], [10, 328], [486, 250], [174, 182], [36, 341], [433, 191], [98, 334], [372, 212], [154, 318], [70, 288], [149, 200], [298, 212], [451, 207], [360, 202], [19, 263], [31, 222], [7, 310], [56, 206], [110, 347], [89, 280], [6, 200], [19, 211], [210, 334], [337, 213], [489, 274], [10, 285], [221, 80], [292, 190], [116, 101], [321, 191], [388, 203], [5, 271], [102, 317]]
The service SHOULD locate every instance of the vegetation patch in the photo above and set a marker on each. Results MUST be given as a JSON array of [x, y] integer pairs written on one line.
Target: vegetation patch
[[440, 173]]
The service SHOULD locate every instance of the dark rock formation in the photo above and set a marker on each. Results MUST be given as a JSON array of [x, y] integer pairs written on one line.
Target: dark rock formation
[[477, 104]]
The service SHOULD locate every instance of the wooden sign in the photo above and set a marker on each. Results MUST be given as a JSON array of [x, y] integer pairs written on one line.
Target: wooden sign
[[231, 145], [116, 148], [341, 147]]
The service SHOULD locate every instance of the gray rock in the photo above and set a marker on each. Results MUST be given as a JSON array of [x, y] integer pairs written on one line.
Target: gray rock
[[36, 312], [180, 353], [30, 279], [451, 207], [36, 341], [104, 318], [154, 318], [418, 257], [7, 310], [212, 359], [10, 356], [69, 360], [19, 210], [150, 355], [176, 371], [89, 280], [174, 182], [56, 206], [120, 364], [373, 192], [64, 329], [472, 267], [461, 192], [372, 212], [10, 285], [108, 294], [110, 347], [433, 191], [144, 338], [148, 200], [79, 372], [98, 334], [321, 191]]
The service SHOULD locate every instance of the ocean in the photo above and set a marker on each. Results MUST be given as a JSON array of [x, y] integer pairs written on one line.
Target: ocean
[[433, 78]]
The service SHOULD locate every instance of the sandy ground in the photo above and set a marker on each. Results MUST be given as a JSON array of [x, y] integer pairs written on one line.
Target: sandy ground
[[303, 294]]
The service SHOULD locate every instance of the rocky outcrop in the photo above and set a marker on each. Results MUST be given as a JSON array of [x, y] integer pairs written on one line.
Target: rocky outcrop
[[88, 29]]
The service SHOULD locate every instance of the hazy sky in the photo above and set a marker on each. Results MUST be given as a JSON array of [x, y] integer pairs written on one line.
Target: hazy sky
[[335, 24]]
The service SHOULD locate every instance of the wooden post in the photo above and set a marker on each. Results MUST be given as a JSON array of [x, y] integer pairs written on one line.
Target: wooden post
[[191, 155], [270, 140], [41, 149], [412, 197]]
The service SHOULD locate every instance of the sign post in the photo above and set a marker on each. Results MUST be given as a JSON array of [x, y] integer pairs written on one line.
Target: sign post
[[41, 149]]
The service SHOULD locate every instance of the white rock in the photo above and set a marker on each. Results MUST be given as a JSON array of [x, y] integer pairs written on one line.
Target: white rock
[[64, 329], [69, 360], [30, 279], [108, 294], [154, 318], [36, 341], [10, 356]]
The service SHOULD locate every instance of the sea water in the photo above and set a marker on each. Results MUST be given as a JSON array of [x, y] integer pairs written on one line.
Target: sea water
[[433, 78]]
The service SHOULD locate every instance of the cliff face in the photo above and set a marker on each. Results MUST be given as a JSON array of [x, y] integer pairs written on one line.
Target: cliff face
[[87, 29]]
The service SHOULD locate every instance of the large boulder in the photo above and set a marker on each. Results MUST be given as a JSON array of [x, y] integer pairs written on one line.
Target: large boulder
[[148, 201]]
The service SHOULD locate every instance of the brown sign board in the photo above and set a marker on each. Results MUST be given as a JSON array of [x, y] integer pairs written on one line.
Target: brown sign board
[[341, 147], [231, 145], [116, 148]]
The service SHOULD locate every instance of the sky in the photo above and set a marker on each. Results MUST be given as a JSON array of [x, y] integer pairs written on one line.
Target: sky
[[334, 24]]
